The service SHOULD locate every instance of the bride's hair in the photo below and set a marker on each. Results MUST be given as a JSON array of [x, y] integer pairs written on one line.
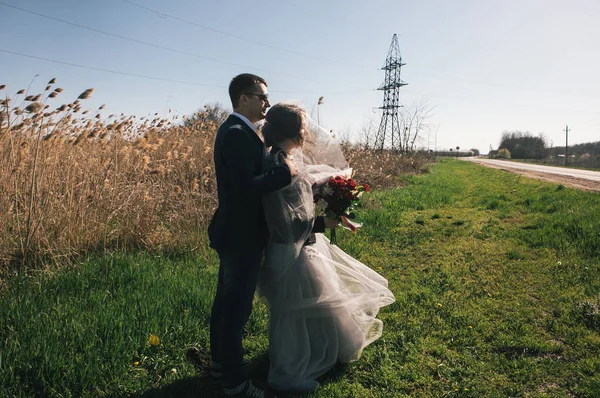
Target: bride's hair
[[283, 121]]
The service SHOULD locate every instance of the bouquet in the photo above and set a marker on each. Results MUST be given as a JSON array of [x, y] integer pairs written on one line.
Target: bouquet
[[336, 199]]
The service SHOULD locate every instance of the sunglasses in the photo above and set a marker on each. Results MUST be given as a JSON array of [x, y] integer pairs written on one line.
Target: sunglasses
[[262, 97]]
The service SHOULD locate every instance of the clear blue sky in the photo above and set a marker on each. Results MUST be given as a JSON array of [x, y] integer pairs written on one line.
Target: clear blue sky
[[486, 66]]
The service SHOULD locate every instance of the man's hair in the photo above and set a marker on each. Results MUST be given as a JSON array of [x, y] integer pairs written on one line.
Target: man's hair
[[242, 84], [283, 121]]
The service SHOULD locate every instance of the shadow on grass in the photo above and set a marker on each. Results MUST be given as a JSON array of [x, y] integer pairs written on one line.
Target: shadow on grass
[[205, 386], [190, 387]]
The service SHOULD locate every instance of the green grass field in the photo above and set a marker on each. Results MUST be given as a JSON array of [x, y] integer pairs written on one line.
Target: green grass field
[[496, 277]]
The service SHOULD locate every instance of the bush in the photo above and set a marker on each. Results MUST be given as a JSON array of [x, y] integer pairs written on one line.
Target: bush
[[503, 154]]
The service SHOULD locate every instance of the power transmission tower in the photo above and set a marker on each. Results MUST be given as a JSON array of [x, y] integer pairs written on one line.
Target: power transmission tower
[[388, 135]]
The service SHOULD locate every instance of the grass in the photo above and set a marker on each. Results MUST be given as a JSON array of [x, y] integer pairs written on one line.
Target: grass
[[496, 284]]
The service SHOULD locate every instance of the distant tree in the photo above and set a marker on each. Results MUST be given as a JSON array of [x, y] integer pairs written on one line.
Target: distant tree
[[593, 148], [524, 145], [210, 114], [413, 123], [475, 151]]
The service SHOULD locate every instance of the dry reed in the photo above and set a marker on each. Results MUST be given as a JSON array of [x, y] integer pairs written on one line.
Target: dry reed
[[72, 184]]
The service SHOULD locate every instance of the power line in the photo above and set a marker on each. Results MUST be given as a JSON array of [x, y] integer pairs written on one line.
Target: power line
[[165, 15], [357, 89], [108, 70], [259, 69], [164, 47], [312, 12], [154, 77], [319, 15]]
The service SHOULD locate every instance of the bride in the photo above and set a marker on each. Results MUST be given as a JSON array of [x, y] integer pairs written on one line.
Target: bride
[[323, 303]]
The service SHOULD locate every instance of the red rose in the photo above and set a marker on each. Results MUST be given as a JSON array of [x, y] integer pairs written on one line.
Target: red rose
[[352, 184], [366, 187]]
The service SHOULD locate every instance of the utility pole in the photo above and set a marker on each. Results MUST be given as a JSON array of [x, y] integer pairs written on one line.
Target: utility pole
[[566, 130]]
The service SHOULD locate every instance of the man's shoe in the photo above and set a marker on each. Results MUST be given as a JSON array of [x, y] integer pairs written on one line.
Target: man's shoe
[[252, 391]]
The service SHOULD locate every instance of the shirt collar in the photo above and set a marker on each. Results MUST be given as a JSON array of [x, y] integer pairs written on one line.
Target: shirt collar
[[245, 119]]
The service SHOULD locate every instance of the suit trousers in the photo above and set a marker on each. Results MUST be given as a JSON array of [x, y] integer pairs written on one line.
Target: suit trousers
[[238, 276]]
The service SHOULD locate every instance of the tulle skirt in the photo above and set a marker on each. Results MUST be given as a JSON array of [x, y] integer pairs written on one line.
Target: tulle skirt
[[323, 311]]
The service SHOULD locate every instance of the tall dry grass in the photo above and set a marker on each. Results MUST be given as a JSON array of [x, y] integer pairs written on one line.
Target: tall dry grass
[[73, 180]]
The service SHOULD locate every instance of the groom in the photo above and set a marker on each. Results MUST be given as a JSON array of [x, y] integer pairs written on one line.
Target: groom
[[238, 230]]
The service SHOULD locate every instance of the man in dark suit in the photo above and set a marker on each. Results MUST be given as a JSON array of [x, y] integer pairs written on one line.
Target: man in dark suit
[[238, 230]]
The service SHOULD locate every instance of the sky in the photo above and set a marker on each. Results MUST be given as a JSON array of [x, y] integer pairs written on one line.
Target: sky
[[482, 66]]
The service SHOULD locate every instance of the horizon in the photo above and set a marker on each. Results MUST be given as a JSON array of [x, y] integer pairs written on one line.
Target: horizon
[[484, 68]]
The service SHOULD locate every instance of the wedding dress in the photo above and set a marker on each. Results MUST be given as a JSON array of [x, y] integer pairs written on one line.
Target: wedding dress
[[323, 303]]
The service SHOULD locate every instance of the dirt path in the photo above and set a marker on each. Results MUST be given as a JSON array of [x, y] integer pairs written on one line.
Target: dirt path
[[546, 175]]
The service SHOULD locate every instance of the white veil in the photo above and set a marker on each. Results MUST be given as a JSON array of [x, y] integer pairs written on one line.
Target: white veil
[[321, 154], [290, 211]]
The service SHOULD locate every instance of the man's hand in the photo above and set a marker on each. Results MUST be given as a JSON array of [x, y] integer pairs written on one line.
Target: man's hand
[[331, 223], [292, 165]]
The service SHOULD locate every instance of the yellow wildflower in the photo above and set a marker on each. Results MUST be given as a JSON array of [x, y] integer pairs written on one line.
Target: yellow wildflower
[[154, 340]]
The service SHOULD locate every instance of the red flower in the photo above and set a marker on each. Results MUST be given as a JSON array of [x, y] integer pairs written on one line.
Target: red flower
[[341, 197]]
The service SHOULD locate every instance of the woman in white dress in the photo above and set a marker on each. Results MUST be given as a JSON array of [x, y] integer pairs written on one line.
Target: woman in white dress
[[323, 303]]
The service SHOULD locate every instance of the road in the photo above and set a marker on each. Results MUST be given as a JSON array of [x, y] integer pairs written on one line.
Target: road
[[581, 179]]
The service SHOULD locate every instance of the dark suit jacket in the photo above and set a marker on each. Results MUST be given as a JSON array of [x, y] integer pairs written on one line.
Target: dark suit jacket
[[239, 222]]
